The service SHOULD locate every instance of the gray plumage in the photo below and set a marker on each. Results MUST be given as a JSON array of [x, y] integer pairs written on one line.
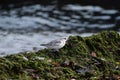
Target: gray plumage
[[56, 44]]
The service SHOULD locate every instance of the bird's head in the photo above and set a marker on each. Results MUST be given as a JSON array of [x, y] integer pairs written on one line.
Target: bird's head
[[65, 38]]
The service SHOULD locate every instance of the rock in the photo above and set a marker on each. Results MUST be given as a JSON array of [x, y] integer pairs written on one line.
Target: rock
[[74, 62]]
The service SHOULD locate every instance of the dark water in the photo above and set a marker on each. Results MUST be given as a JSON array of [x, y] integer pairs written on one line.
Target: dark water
[[26, 27]]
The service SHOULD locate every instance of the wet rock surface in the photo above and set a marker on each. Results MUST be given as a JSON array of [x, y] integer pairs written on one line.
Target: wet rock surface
[[93, 57]]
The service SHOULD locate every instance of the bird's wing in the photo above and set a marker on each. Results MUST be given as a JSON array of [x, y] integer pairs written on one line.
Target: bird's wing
[[55, 43]]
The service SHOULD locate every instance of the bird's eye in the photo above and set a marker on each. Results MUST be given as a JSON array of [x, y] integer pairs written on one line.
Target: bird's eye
[[65, 38]]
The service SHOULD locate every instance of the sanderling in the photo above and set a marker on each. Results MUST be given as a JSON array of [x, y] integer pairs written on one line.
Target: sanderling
[[56, 44]]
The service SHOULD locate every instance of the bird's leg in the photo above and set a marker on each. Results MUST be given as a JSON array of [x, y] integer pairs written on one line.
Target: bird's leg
[[49, 53], [55, 53]]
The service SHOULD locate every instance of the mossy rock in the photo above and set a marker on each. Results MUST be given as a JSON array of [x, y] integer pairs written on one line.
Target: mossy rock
[[94, 57]]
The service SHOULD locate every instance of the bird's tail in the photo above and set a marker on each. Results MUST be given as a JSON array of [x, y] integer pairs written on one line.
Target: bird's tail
[[42, 44]]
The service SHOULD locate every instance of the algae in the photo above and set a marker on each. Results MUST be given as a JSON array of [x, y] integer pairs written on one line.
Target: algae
[[94, 57]]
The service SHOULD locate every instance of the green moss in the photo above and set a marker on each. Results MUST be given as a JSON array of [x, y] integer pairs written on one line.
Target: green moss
[[97, 56]]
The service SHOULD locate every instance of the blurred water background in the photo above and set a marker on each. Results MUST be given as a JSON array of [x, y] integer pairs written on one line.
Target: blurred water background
[[23, 28]]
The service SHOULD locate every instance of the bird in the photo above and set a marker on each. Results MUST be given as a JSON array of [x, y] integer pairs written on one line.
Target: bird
[[56, 44]]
